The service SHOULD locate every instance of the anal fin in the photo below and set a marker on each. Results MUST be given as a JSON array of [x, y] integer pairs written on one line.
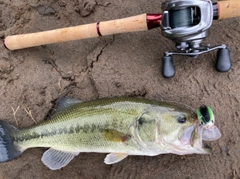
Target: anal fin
[[114, 158], [56, 159]]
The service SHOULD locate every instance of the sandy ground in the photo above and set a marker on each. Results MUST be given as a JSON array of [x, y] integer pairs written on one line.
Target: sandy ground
[[117, 65]]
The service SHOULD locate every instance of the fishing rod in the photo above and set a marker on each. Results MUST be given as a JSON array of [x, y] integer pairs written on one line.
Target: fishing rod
[[185, 22]]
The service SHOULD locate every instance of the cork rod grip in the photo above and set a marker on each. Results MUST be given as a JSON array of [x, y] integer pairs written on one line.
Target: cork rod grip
[[228, 9], [130, 24]]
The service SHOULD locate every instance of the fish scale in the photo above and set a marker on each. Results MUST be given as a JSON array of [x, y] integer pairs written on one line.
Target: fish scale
[[83, 115], [74, 118]]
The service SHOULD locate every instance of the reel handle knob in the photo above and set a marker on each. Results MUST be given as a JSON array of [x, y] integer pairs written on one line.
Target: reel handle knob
[[223, 63], [168, 69]]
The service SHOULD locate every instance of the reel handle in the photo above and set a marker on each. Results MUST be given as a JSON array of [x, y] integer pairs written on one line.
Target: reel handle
[[223, 63], [168, 69], [228, 9], [130, 24]]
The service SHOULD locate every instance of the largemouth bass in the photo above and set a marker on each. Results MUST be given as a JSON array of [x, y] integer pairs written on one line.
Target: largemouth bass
[[118, 126]]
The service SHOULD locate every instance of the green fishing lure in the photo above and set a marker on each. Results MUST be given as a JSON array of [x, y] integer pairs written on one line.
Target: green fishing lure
[[206, 117]]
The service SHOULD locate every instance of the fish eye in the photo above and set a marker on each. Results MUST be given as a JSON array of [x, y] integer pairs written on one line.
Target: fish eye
[[181, 119]]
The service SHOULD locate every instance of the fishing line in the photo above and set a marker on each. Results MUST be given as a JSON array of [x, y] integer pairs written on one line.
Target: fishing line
[[211, 92], [203, 93], [181, 17]]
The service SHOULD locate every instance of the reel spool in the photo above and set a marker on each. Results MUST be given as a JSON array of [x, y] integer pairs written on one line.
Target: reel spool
[[187, 23]]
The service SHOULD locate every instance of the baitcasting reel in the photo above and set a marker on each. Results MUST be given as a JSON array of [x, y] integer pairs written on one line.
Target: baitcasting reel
[[187, 23]]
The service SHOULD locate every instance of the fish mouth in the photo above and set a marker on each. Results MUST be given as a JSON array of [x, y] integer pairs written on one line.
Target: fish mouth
[[192, 138], [197, 141]]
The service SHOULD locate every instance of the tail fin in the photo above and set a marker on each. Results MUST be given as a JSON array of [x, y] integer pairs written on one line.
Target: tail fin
[[8, 150]]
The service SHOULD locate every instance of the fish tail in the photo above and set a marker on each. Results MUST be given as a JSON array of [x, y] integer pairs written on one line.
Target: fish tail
[[8, 150]]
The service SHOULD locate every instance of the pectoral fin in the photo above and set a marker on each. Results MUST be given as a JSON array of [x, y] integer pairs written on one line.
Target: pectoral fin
[[114, 158], [115, 136], [56, 159]]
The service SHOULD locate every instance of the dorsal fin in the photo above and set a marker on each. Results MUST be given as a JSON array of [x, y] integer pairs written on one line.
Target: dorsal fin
[[60, 104], [65, 102]]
